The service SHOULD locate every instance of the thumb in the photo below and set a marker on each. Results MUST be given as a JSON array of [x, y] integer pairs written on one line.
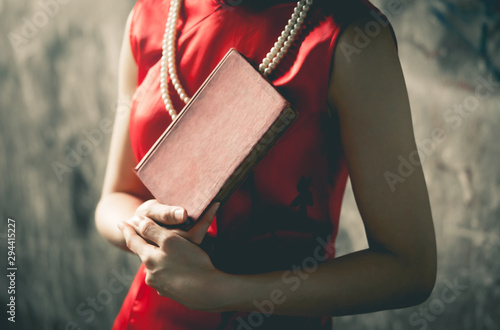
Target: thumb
[[198, 232]]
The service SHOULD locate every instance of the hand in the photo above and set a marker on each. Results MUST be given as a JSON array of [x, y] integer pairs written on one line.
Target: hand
[[176, 266], [161, 213]]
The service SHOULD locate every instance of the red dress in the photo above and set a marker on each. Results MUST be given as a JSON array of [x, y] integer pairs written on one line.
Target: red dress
[[290, 204]]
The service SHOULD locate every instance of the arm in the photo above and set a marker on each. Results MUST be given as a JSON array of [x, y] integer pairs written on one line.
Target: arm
[[399, 267], [123, 194]]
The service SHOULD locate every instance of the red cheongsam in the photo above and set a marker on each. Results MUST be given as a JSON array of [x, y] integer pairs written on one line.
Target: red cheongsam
[[286, 212]]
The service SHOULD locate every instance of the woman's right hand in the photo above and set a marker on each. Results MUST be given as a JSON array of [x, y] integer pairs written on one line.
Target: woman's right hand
[[152, 213], [161, 213]]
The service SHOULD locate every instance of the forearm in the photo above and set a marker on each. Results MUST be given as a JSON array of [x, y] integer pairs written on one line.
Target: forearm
[[361, 282], [112, 209]]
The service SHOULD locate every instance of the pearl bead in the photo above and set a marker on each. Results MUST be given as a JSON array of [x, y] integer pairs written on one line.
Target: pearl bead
[[269, 63]]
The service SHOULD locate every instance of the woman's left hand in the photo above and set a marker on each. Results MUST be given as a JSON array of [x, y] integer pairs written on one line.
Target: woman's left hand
[[176, 267]]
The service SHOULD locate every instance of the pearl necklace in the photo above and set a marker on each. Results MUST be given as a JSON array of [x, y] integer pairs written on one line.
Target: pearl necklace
[[269, 63]]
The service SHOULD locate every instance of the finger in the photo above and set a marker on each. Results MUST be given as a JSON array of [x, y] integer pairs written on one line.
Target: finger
[[135, 243], [161, 213], [149, 230], [198, 232]]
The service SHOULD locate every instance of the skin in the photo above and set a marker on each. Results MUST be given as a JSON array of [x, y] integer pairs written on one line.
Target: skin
[[397, 270]]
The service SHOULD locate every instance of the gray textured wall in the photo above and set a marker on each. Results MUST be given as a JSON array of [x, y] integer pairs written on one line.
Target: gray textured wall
[[57, 95]]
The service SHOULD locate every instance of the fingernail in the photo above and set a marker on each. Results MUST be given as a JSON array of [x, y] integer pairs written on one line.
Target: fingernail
[[216, 207], [179, 214], [136, 221]]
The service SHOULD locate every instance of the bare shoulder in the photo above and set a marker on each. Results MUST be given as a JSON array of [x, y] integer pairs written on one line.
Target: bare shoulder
[[368, 90], [365, 54], [367, 86]]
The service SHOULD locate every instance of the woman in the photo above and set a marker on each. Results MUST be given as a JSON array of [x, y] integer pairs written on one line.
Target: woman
[[267, 260]]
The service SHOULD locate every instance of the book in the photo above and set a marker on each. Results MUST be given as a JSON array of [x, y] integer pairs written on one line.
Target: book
[[217, 139]]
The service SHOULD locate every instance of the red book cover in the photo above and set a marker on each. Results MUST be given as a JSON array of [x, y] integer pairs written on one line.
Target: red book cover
[[217, 139]]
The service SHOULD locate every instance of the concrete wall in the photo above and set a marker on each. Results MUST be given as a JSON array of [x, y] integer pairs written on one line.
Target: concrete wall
[[58, 89]]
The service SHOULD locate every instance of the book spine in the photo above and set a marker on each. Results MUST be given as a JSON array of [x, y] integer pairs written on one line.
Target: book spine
[[280, 125], [277, 129]]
